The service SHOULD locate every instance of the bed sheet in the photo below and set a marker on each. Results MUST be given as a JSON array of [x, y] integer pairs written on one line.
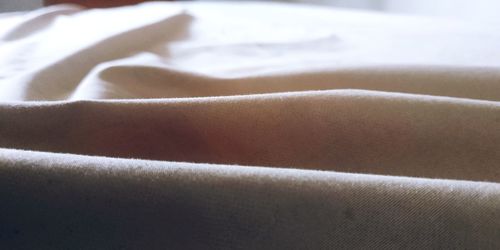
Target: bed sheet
[[247, 125]]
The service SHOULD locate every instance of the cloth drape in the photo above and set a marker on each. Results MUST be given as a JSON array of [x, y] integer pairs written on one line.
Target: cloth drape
[[247, 125]]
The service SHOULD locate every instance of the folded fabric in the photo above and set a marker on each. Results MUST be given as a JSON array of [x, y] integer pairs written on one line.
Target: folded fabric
[[247, 125]]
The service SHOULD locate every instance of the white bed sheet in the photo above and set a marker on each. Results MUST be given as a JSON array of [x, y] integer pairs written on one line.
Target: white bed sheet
[[331, 128]]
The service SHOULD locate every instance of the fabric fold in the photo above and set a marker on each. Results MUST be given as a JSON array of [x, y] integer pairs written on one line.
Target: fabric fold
[[342, 130], [60, 200]]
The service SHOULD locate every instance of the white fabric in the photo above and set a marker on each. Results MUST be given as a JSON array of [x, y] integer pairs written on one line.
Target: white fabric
[[59, 53], [101, 109]]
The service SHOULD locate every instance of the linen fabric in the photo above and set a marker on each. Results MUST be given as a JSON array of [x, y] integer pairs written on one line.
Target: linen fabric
[[247, 126]]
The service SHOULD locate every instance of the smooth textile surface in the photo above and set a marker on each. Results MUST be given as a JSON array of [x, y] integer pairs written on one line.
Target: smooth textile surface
[[247, 126]]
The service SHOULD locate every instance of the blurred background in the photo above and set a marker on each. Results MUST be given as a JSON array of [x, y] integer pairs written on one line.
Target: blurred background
[[477, 10]]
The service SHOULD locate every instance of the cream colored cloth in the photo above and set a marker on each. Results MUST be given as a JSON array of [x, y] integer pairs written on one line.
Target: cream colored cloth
[[330, 129]]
